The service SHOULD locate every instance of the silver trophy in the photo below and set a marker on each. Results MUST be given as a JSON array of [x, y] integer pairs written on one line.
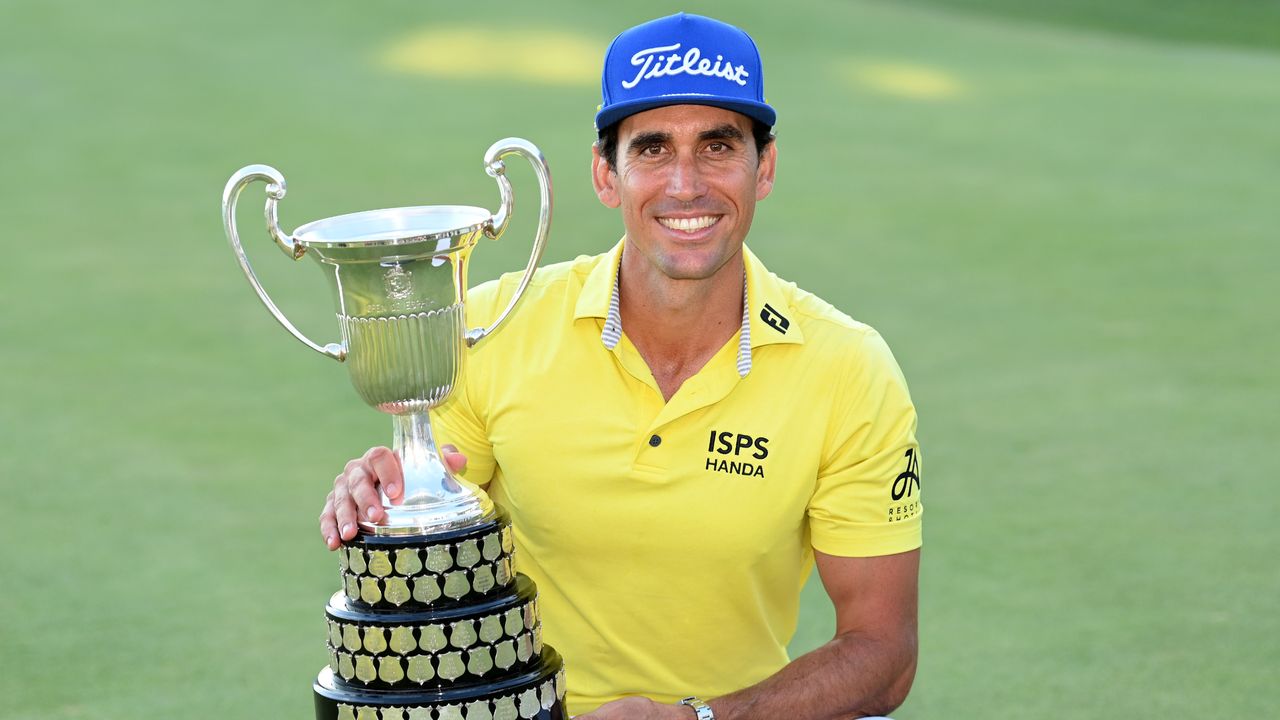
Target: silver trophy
[[399, 278]]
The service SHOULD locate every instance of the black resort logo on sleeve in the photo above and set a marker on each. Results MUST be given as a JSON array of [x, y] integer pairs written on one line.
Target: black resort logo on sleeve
[[909, 477], [906, 489]]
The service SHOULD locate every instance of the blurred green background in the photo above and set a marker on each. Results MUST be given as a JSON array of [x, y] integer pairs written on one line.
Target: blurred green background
[[1062, 215]]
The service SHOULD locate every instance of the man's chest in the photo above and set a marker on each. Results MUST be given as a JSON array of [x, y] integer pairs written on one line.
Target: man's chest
[[594, 456]]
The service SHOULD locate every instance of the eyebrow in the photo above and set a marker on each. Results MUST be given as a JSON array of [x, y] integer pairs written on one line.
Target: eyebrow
[[722, 132], [647, 139]]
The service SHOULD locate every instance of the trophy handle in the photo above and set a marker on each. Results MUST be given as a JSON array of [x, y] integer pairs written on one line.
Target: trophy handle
[[497, 169], [290, 246]]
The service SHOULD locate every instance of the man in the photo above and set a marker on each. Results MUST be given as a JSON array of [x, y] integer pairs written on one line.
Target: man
[[678, 434]]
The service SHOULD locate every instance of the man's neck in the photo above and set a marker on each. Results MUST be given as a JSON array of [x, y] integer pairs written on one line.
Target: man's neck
[[678, 325]]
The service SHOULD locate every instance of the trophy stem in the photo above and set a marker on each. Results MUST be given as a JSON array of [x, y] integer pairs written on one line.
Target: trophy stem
[[434, 498]]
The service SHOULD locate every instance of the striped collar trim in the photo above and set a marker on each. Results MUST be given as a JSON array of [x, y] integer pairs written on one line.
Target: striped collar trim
[[612, 331]]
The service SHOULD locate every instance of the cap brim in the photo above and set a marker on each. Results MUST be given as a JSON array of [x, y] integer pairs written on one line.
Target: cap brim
[[752, 109]]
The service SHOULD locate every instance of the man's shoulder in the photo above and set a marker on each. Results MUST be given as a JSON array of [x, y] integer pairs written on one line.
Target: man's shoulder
[[551, 285], [834, 343], [847, 357], [821, 316], [822, 324]]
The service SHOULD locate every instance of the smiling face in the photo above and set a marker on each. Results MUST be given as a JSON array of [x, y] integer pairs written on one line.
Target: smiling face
[[687, 180]]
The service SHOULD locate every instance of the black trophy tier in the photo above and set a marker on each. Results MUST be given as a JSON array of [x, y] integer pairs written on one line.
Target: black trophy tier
[[437, 627]]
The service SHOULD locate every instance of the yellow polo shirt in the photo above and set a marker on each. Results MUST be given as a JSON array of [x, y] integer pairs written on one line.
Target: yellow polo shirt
[[670, 540]]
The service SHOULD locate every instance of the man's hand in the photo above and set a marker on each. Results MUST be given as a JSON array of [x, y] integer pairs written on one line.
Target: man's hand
[[355, 491], [638, 708]]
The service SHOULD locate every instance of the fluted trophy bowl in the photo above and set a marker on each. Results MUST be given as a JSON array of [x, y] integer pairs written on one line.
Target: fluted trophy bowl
[[399, 282], [398, 278]]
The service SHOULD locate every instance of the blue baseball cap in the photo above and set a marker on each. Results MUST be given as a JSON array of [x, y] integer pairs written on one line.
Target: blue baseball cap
[[682, 60]]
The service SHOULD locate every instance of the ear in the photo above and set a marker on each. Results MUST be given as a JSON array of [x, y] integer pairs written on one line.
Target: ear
[[604, 179], [764, 173]]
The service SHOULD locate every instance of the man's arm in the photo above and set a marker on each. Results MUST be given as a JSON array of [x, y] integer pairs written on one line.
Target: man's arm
[[866, 670]]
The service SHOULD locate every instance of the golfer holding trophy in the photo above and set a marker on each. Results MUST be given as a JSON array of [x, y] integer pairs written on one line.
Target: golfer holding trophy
[[431, 622]]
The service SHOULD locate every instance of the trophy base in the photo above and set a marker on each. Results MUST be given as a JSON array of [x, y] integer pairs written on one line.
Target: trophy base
[[404, 519], [407, 572], [536, 694], [417, 651], [437, 626]]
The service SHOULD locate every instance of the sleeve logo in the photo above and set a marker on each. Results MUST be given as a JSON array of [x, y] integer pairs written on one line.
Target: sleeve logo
[[902, 485]]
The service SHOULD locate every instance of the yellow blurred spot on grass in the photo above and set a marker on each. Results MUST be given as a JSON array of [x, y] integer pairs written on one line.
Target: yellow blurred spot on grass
[[916, 82], [548, 57]]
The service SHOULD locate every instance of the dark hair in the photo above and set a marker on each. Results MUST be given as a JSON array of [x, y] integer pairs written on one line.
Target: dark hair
[[608, 141]]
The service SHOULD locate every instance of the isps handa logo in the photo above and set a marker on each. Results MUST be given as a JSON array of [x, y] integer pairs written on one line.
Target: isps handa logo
[[745, 450]]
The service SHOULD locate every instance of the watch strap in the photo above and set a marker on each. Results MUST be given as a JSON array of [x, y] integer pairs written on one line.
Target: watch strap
[[702, 709]]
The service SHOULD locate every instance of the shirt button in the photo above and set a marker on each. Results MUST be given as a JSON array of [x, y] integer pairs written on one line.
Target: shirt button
[[654, 441]]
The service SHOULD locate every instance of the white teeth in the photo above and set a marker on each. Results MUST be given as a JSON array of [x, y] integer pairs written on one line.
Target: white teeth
[[689, 224]]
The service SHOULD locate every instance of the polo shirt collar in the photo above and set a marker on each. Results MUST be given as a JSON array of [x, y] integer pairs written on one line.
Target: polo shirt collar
[[772, 319], [597, 291], [766, 313]]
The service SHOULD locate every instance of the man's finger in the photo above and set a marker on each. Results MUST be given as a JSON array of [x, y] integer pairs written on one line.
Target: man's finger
[[361, 483], [456, 461], [386, 470], [344, 508], [329, 524]]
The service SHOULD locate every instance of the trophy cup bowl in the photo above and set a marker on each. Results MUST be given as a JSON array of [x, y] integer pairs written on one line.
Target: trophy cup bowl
[[399, 281]]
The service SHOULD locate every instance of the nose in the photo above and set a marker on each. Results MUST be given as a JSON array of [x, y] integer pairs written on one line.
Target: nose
[[684, 181]]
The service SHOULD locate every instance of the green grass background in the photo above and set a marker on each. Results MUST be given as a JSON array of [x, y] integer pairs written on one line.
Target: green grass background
[[1074, 258]]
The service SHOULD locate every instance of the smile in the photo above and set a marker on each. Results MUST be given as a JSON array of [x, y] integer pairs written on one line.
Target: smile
[[692, 224]]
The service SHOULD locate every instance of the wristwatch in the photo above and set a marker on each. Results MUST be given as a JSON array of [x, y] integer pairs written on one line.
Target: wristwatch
[[703, 709]]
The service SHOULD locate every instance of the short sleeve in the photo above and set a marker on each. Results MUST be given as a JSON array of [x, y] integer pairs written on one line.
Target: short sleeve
[[457, 423], [867, 498], [460, 421]]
